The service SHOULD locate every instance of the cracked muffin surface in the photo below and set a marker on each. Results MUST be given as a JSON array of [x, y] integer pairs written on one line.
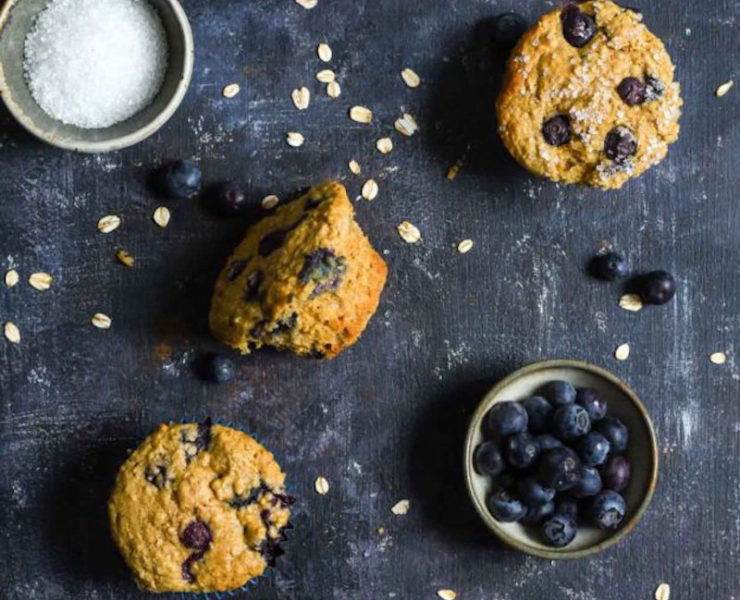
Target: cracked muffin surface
[[589, 96], [197, 508], [304, 279]]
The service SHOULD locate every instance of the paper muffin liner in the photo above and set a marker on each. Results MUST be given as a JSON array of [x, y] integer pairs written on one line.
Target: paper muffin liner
[[269, 569]]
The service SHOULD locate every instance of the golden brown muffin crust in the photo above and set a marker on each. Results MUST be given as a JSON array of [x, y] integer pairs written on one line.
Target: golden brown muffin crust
[[547, 77], [304, 279], [198, 508]]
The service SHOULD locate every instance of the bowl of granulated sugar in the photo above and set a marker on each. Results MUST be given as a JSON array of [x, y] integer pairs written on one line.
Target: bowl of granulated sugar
[[94, 75]]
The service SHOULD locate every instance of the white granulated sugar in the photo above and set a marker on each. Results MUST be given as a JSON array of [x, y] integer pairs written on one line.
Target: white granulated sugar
[[94, 63]]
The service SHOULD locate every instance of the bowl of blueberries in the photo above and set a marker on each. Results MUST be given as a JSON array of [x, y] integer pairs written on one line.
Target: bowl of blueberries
[[561, 459]]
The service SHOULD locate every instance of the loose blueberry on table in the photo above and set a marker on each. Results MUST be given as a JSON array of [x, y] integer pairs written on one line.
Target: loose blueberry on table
[[180, 179], [228, 198], [556, 462], [609, 266]]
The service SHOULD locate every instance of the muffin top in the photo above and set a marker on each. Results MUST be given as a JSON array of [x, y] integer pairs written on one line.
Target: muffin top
[[305, 278], [589, 96], [198, 507]]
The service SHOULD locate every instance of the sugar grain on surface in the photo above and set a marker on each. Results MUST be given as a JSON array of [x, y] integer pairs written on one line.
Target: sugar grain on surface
[[94, 63]]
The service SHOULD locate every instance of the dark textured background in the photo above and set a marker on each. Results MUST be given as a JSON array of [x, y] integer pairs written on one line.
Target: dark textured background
[[385, 420]]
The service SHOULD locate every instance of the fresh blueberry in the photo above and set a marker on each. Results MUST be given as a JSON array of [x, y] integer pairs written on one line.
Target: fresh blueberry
[[556, 130], [558, 530], [593, 448], [506, 480], [578, 27], [606, 510], [507, 418], [570, 422], [609, 267], [620, 144], [533, 492], [615, 473], [567, 505], [591, 400], [657, 287], [505, 508], [229, 198], [559, 469], [488, 460], [559, 393], [507, 29], [217, 368], [632, 91], [181, 179], [548, 442], [521, 450], [197, 536], [539, 412], [536, 512], [589, 483], [615, 432]]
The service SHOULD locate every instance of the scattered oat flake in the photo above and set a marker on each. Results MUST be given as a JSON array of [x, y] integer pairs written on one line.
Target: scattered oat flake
[[354, 167], [161, 216], [125, 258], [301, 97], [101, 321], [40, 281], [326, 76], [406, 125], [333, 90], [109, 223], [360, 114], [718, 358], [12, 333], [631, 302], [381, 530], [11, 277], [308, 4], [410, 78], [270, 202], [401, 507], [409, 232], [464, 246], [370, 190], [231, 90], [324, 52], [622, 352], [724, 88], [294, 139], [663, 592], [321, 485], [447, 594], [384, 145]]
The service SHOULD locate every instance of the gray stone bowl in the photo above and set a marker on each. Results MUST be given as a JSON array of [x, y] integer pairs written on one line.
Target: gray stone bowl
[[642, 453], [18, 16]]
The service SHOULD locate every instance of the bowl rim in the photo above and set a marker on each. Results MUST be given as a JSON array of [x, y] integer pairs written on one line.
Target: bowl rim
[[560, 553], [123, 141]]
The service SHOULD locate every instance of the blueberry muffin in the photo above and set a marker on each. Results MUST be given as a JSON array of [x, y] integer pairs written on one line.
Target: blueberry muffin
[[305, 279], [589, 96], [198, 508]]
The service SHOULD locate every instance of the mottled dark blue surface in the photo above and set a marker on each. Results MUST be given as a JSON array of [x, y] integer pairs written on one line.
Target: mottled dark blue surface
[[386, 419]]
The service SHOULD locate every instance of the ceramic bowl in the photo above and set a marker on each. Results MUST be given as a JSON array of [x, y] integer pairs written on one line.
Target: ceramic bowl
[[642, 453], [18, 16]]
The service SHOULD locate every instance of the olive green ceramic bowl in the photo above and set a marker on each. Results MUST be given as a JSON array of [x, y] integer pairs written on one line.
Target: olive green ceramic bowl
[[18, 16], [642, 453]]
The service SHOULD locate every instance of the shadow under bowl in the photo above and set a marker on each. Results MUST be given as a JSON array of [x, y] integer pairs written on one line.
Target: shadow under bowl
[[18, 17], [642, 454]]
